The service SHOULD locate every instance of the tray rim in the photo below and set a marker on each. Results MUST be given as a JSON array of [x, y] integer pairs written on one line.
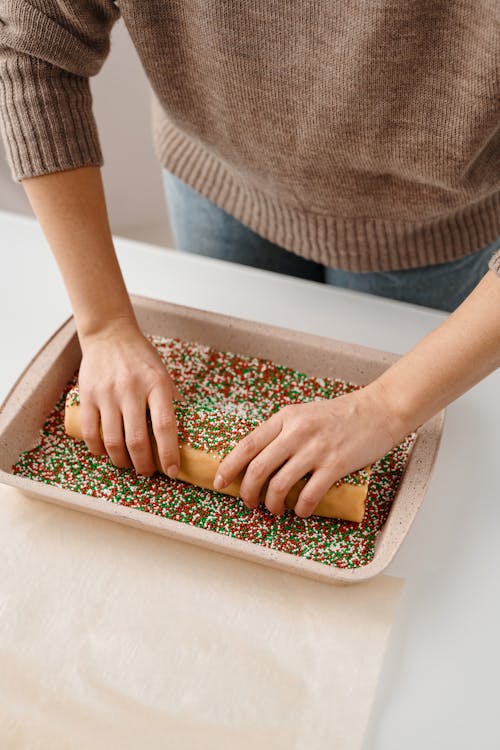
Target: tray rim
[[178, 530]]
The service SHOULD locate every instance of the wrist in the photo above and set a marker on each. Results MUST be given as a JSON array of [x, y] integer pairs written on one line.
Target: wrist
[[400, 417], [106, 327]]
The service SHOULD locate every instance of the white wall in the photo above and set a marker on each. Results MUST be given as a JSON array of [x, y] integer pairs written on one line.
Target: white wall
[[131, 173]]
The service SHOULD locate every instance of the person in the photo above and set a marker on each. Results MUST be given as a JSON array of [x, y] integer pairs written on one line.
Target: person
[[360, 142]]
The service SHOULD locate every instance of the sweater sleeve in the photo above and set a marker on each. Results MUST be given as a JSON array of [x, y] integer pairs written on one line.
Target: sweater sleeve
[[48, 51], [494, 263]]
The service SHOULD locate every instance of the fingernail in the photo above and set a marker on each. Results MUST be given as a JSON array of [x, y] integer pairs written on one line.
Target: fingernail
[[172, 471], [219, 482]]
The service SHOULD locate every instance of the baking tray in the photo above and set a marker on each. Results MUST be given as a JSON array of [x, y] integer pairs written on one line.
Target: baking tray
[[38, 388]]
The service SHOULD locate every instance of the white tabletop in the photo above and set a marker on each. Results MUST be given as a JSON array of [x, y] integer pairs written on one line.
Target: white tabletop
[[440, 675]]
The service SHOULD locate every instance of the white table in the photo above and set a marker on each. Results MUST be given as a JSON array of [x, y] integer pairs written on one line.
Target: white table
[[439, 686]]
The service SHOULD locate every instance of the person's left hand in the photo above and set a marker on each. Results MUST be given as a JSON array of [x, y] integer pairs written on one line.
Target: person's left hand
[[328, 438]]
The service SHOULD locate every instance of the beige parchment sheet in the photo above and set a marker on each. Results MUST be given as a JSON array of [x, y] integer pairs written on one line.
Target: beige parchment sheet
[[111, 637]]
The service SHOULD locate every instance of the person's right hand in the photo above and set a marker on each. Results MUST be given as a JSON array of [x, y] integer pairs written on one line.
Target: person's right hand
[[121, 373]]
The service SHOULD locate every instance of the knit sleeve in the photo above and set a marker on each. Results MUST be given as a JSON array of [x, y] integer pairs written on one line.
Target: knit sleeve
[[494, 263], [48, 51]]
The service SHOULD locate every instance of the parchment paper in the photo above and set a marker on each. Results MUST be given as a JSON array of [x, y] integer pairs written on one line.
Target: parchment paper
[[111, 637]]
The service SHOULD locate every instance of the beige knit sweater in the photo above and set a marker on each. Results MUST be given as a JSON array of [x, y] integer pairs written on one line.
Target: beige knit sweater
[[361, 134]]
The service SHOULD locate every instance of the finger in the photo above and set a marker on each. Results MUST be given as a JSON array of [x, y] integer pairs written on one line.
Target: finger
[[246, 450], [137, 437], [315, 489], [283, 481], [113, 435], [261, 468], [165, 429], [91, 424]]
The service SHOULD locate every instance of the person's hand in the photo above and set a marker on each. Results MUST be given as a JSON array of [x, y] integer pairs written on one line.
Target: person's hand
[[121, 373], [328, 438]]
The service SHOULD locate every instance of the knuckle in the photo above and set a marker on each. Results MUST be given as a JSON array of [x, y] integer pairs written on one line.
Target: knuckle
[[310, 422], [248, 445], [113, 441], [87, 398], [309, 500], [159, 379], [136, 439], [170, 448], [306, 426], [278, 485], [164, 421], [256, 469], [90, 435], [103, 386], [126, 380], [86, 394]]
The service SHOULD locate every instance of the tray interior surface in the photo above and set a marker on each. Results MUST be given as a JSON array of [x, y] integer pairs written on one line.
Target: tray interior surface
[[27, 404]]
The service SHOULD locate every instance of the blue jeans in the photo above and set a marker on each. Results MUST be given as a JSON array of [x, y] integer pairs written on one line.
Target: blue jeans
[[201, 227]]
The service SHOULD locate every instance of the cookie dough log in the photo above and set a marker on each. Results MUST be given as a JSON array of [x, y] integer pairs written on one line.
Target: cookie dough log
[[207, 434]]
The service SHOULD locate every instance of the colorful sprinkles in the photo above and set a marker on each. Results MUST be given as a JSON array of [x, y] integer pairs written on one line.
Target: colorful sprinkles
[[202, 426], [208, 428], [218, 386]]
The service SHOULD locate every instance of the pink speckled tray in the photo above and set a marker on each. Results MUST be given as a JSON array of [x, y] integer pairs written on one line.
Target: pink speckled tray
[[37, 389]]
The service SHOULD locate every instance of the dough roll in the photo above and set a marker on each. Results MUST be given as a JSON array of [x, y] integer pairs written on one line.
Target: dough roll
[[207, 434]]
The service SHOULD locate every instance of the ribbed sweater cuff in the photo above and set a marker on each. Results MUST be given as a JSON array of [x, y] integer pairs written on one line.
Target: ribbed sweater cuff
[[494, 263], [46, 118]]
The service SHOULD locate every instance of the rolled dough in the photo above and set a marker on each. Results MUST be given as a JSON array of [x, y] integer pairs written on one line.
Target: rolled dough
[[202, 450]]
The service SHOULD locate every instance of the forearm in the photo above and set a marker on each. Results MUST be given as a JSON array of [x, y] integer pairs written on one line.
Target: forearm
[[447, 362], [71, 209]]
